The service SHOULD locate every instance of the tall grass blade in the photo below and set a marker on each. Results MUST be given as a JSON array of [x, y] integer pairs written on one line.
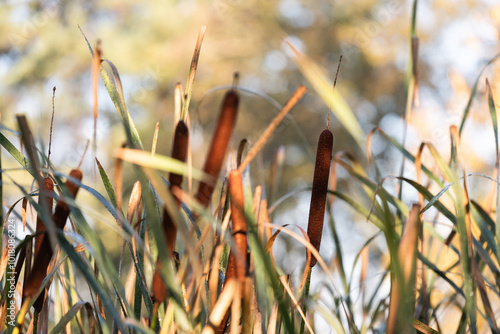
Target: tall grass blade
[[464, 231], [474, 91], [408, 155], [14, 152], [107, 183], [96, 64], [116, 94], [403, 290], [192, 73], [159, 162], [296, 96], [494, 120], [70, 315]]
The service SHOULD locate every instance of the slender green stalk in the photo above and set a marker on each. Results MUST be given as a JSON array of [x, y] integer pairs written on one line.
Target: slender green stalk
[[411, 81], [494, 120], [35, 321], [305, 297], [464, 232]]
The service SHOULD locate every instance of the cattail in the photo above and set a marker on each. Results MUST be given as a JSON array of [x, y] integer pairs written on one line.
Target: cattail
[[319, 190], [218, 146], [237, 262], [42, 258], [179, 152], [47, 192], [237, 265], [61, 211]]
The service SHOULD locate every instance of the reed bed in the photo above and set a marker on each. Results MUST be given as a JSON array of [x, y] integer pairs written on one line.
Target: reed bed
[[184, 269]]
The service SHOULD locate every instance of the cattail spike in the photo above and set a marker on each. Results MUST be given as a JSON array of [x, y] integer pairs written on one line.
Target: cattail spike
[[319, 190], [219, 145], [179, 152], [333, 90], [42, 259]]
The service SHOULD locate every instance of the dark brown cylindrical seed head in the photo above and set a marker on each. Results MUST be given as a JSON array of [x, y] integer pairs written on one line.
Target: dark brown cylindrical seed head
[[319, 190], [179, 150], [219, 145], [61, 211], [47, 191], [42, 259], [170, 232]]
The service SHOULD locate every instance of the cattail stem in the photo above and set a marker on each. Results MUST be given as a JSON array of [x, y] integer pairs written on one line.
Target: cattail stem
[[306, 296], [35, 321]]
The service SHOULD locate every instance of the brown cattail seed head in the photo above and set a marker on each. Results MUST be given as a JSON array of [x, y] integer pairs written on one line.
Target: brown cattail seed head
[[319, 190], [238, 256], [47, 191], [219, 145], [42, 258], [179, 150]]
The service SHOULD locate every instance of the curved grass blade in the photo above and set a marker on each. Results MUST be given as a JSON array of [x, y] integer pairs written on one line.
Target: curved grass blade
[[89, 276], [375, 189], [402, 303], [474, 91], [329, 317], [107, 183], [464, 231], [133, 137], [435, 201], [494, 120], [14, 152], [159, 162], [408, 155], [116, 96], [73, 311], [486, 225], [192, 73]]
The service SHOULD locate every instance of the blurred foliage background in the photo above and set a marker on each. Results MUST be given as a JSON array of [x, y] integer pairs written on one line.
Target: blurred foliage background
[[152, 42]]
